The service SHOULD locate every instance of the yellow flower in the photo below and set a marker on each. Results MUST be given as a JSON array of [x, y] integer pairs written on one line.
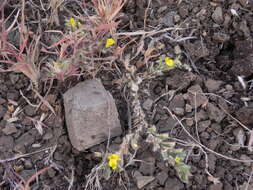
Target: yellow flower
[[169, 62], [178, 159], [113, 161], [72, 23], [109, 42]]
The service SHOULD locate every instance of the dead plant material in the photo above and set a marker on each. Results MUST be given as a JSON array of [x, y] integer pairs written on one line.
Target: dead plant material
[[27, 185], [23, 58], [108, 10]]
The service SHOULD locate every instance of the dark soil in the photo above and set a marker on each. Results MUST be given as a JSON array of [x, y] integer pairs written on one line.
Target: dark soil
[[220, 49]]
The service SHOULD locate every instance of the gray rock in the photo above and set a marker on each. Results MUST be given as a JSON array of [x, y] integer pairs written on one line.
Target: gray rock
[[162, 177], [213, 85], [2, 101], [217, 15], [218, 186], [48, 136], [25, 140], [221, 37], [147, 167], [90, 113], [6, 143], [9, 129], [143, 180], [215, 113], [168, 19], [2, 111], [147, 105], [174, 184], [199, 98]]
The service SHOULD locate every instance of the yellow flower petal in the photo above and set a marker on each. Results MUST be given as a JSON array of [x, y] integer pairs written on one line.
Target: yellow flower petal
[[178, 159], [169, 62], [113, 160], [72, 23], [109, 42]]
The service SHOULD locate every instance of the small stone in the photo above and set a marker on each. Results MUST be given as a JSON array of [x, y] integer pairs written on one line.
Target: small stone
[[162, 9], [205, 135], [244, 2], [212, 85], [202, 125], [244, 28], [14, 78], [147, 105], [199, 99], [245, 115], [177, 50], [183, 11], [174, 184], [6, 143], [217, 15], [213, 143], [28, 164], [9, 129], [201, 115], [90, 113], [245, 157], [2, 101], [29, 110], [168, 19], [25, 140], [177, 104], [240, 136], [215, 113], [189, 122], [229, 87], [178, 111], [26, 174], [48, 136], [227, 20], [188, 108], [143, 181], [177, 18], [162, 177], [221, 37], [2, 111], [147, 167], [58, 156], [51, 172]]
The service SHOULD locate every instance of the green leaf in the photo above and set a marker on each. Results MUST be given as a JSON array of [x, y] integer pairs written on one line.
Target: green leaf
[[183, 171]]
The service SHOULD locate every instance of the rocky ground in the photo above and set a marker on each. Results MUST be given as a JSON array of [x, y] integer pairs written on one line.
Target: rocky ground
[[212, 101]]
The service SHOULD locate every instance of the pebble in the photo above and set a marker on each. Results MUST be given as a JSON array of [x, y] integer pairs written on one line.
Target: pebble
[[177, 18], [217, 15], [147, 105], [9, 129], [177, 50]]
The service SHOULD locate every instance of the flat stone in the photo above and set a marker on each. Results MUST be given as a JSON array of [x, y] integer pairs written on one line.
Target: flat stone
[[143, 181], [217, 15], [6, 143], [218, 186], [215, 113], [9, 129], [26, 139], [200, 98], [90, 113], [162, 177], [174, 184], [147, 105], [221, 37], [147, 167], [168, 19]]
